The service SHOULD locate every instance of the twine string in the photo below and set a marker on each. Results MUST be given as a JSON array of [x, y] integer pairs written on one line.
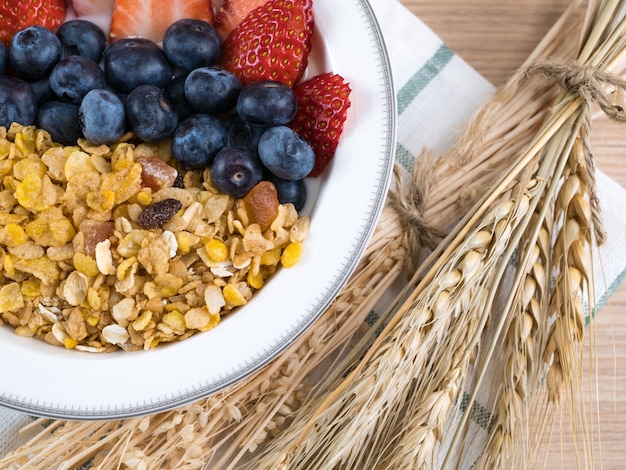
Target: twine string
[[408, 200], [590, 84]]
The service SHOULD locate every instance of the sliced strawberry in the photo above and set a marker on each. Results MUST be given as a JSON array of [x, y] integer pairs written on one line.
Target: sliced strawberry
[[272, 43], [16, 15], [232, 13], [150, 18], [323, 102], [93, 8]]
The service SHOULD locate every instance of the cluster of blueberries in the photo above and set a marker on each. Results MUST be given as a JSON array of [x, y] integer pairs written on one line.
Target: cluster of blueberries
[[73, 84]]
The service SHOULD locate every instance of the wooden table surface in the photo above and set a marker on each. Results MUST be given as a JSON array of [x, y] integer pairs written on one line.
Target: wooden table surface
[[495, 37]]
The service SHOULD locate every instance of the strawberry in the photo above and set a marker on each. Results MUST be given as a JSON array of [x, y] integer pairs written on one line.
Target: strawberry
[[323, 102], [16, 15], [150, 18], [271, 43], [232, 13], [102, 8]]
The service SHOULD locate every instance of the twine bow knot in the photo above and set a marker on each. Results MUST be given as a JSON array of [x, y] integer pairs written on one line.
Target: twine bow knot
[[586, 81], [591, 84]]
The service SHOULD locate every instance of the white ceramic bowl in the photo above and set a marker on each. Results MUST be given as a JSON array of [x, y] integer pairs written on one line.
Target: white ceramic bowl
[[49, 381]]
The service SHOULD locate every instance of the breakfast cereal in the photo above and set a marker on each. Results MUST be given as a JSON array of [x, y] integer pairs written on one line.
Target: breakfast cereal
[[100, 251]]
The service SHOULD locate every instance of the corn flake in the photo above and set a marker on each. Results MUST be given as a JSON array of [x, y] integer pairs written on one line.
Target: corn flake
[[79, 272]]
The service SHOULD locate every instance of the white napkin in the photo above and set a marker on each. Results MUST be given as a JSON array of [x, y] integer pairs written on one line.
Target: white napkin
[[437, 94]]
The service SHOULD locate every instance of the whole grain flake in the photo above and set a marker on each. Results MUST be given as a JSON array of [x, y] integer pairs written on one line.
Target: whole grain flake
[[100, 252]]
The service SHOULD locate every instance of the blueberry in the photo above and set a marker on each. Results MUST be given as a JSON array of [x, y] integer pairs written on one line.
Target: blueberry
[[42, 90], [101, 116], [83, 38], [211, 90], [34, 51], [131, 62], [197, 139], [150, 114], [3, 58], [236, 170], [61, 121], [74, 76], [122, 96], [267, 103], [241, 134], [191, 44], [290, 191], [285, 153], [175, 91], [18, 102]]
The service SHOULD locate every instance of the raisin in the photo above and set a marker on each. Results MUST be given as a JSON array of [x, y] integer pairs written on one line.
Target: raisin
[[158, 214], [178, 182]]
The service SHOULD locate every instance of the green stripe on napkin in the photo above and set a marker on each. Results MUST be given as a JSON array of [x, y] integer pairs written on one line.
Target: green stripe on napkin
[[423, 77]]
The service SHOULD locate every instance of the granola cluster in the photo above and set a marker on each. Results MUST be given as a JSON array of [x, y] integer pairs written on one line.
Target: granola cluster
[[105, 248]]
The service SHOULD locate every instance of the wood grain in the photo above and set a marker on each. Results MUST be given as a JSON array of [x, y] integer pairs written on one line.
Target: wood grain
[[495, 37]]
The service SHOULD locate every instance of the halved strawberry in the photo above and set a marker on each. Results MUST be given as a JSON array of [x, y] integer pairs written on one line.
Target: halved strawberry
[[93, 8], [233, 12], [323, 102], [272, 42], [150, 18], [16, 15]]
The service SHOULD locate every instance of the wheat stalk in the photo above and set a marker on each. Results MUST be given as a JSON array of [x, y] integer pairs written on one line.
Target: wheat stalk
[[520, 364]]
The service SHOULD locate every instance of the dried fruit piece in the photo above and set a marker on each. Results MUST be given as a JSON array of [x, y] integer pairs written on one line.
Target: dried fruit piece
[[261, 204], [156, 174], [159, 213], [95, 232]]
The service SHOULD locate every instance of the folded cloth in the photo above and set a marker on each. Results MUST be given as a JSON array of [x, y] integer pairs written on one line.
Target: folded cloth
[[437, 94]]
